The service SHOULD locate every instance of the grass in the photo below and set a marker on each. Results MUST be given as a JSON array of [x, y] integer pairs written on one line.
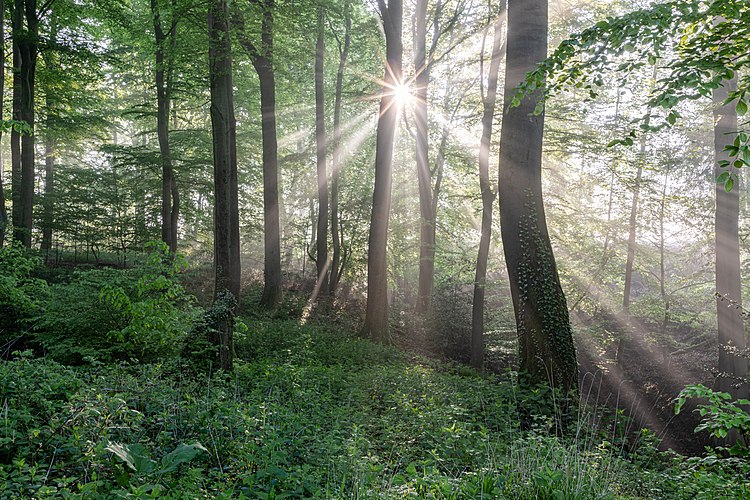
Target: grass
[[313, 412]]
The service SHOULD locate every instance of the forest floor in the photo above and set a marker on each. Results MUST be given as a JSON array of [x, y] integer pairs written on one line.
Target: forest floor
[[312, 411]]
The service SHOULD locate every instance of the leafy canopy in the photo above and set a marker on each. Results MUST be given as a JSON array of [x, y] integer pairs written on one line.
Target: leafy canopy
[[700, 45]]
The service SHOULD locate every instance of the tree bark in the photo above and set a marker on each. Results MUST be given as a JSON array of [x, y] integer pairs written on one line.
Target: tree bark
[[732, 366], [3, 210], [488, 198], [376, 316], [169, 206], [336, 159], [25, 51], [49, 189], [546, 350], [263, 63], [424, 177], [28, 49], [223, 124], [321, 263], [632, 229]]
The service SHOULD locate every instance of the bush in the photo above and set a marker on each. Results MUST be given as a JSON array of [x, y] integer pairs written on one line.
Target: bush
[[20, 295], [114, 314]]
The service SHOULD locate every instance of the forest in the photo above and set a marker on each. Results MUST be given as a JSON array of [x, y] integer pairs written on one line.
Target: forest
[[446, 249]]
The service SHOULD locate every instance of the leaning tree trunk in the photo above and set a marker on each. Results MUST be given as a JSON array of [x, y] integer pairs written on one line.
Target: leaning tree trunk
[[336, 160], [546, 350], [376, 316], [322, 263], [732, 366], [488, 198], [223, 128]]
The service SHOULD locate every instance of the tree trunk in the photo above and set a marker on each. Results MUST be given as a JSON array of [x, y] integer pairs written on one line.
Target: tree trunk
[[322, 263], [424, 177], [632, 228], [732, 366], [49, 189], [223, 125], [488, 198], [27, 48], [263, 63], [546, 349], [169, 207], [336, 166], [376, 316], [3, 211]]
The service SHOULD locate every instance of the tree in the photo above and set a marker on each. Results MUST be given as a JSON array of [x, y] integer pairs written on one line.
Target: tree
[[376, 316], [708, 47], [25, 31], [170, 208], [3, 211], [321, 262], [546, 350], [226, 212], [488, 194], [424, 58], [732, 365], [343, 47], [263, 60]]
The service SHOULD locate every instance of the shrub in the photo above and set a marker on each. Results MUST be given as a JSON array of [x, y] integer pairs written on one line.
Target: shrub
[[20, 295], [110, 314]]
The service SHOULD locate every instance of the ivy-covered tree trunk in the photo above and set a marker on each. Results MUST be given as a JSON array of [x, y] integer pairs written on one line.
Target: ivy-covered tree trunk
[[546, 349], [322, 263], [336, 265], [376, 316], [223, 128], [732, 365], [488, 198]]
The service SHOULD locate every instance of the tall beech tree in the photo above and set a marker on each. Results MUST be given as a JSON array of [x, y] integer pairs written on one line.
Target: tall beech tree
[[263, 60], [343, 48], [321, 148], [170, 197], [488, 193], [710, 47], [546, 349], [226, 211], [25, 33], [3, 210], [429, 190], [732, 365], [376, 315]]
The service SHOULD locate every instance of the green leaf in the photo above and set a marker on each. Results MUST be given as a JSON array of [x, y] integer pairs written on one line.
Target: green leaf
[[741, 108], [722, 178], [729, 184], [183, 453], [134, 456]]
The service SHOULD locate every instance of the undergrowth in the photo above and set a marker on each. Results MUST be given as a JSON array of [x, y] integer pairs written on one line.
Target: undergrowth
[[311, 412]]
